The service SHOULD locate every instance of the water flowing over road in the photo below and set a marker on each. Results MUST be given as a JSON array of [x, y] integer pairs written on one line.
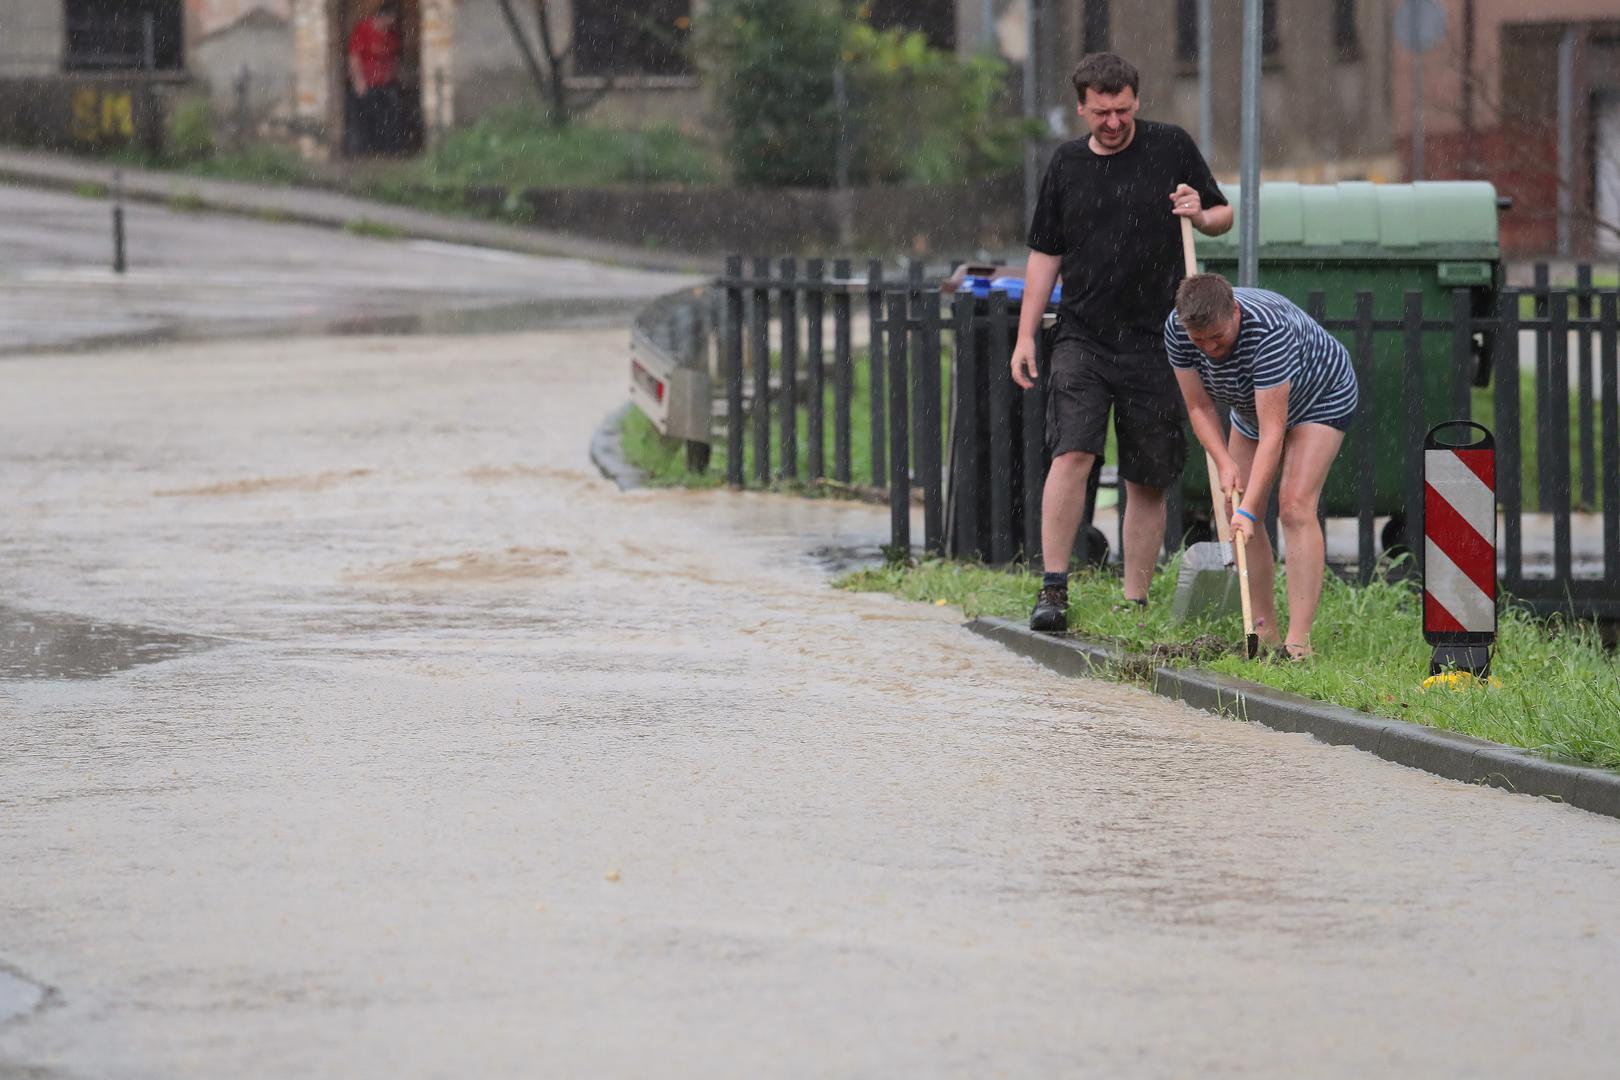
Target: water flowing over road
[[354, 727]]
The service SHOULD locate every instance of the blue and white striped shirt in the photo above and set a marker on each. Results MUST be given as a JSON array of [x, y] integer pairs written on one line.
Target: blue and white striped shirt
[[1278, 344]]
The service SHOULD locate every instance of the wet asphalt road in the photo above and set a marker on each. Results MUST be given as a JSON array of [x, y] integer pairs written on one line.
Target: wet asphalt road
[[193, 275], [429, 754]]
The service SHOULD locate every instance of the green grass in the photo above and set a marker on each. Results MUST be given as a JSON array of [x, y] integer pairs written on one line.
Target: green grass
[[665, 463], [89, 189], [378, 230], [1559, 692], [515, 149], [1484, 411], [663, 460]]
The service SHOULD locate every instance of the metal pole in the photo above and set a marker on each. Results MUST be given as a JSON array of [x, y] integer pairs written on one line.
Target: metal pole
[[148, 42], [1566, 136], [1032, 151], [1415, 22], [987, 16], [119, 263], [846, 198], [1249, 208], [1206, 80]]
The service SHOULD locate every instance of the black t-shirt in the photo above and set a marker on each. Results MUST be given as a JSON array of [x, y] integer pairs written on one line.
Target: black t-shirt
[[1109, 217]]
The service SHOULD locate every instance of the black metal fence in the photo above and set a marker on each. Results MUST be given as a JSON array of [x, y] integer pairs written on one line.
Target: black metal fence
[[946, 421]]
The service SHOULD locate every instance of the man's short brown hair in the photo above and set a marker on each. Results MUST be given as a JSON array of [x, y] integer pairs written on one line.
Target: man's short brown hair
[[1105, 73], [1204, 301]]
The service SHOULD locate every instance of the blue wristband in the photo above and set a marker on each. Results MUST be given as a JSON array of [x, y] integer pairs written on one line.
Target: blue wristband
[[1248, 515]]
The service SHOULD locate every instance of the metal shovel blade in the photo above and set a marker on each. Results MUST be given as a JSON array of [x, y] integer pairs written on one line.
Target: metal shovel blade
[[1206, 587]]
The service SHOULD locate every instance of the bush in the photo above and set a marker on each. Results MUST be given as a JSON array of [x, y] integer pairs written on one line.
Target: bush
[[916, 114], [771, 64], [516, 148], [191, 130]]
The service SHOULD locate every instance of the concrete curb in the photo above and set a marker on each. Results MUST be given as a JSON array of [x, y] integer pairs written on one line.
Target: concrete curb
[[1444, 753], [607, 452]]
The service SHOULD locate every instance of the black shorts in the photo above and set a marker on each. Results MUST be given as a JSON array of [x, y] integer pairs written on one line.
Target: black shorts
[[1141, 388]]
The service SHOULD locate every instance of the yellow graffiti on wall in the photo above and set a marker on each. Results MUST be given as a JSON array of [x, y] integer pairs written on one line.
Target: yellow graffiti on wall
[[102, 114]]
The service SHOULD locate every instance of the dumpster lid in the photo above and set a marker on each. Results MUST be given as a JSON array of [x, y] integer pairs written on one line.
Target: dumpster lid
[[1422, 222]]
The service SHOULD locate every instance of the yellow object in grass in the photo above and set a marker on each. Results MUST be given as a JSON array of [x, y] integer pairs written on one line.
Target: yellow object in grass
[[1460, 680]]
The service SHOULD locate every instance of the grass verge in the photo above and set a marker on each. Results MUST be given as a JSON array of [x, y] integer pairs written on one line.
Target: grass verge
[[1559, 692]]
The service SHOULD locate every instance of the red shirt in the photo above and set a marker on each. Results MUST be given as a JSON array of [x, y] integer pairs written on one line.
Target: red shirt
[[377, 50]]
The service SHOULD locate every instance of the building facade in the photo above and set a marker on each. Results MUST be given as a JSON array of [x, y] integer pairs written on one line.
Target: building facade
[[1325, 87], [1528, 97]]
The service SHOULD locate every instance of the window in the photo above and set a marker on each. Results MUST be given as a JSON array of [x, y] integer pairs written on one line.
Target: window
[[1346, 40], [1094, 33], [632, 37], [124, 35], [935, 18], [1270, 42], [1187, 31]]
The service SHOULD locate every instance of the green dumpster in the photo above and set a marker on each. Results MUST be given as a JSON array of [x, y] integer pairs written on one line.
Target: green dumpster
[[1388, 239]]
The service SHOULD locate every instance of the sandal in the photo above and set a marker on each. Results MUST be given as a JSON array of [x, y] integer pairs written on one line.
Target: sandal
[[1296, 653]]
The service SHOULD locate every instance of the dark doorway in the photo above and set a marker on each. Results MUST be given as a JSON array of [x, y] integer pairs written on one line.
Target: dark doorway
[[385, 121]]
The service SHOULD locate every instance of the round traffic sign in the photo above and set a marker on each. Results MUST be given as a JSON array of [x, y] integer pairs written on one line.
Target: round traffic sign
[[1420, 25]]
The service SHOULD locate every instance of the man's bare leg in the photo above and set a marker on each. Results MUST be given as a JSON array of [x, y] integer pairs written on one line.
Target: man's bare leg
[[1310, 450], [1144, 535], [1063, 504]]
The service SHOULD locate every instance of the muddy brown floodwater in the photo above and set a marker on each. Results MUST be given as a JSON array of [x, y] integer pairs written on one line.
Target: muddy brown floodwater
[[372, 734]]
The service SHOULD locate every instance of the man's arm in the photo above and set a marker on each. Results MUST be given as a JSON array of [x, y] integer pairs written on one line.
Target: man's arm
[[1206, 424], [1040, 274], [1214, 221], [1186, 202]]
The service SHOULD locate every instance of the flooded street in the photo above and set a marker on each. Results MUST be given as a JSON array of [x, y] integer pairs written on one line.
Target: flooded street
[[353, 726]]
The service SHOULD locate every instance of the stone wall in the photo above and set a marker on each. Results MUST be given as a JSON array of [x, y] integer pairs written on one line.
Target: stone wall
[[922, 220]]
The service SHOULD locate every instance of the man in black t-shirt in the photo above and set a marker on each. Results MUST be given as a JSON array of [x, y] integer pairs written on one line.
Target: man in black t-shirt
[[1106, 219]]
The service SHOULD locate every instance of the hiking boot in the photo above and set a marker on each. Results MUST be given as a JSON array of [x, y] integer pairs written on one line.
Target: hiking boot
[[1051, 614]]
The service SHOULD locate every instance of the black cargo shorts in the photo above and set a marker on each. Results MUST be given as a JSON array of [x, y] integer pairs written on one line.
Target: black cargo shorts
[[1148, 411]]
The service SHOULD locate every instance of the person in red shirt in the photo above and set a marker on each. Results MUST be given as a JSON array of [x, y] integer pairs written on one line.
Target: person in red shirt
[[374, 51]]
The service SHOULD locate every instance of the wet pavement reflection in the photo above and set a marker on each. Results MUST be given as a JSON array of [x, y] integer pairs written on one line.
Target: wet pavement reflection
[[43, 645], [480, 767]]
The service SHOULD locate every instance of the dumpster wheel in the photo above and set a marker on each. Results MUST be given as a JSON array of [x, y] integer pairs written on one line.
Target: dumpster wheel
[[1095, 551], [1393, 536]]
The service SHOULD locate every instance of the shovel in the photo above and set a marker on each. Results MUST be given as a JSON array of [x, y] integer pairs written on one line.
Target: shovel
[[1206, 587]]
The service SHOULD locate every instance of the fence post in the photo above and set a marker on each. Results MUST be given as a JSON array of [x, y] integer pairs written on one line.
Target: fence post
[[1555, 451], [789, 321], [874, 364], [899, 437], [734, 370], [929, 451], [1542, 286], [843, 373], [1361, 360], [1412, 347], [962, 518], [1034, 446], [1462, 355], [1000, 432], [759, 325], [815, 270], [1611, 438], [1509, 474], [1583, 310]]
